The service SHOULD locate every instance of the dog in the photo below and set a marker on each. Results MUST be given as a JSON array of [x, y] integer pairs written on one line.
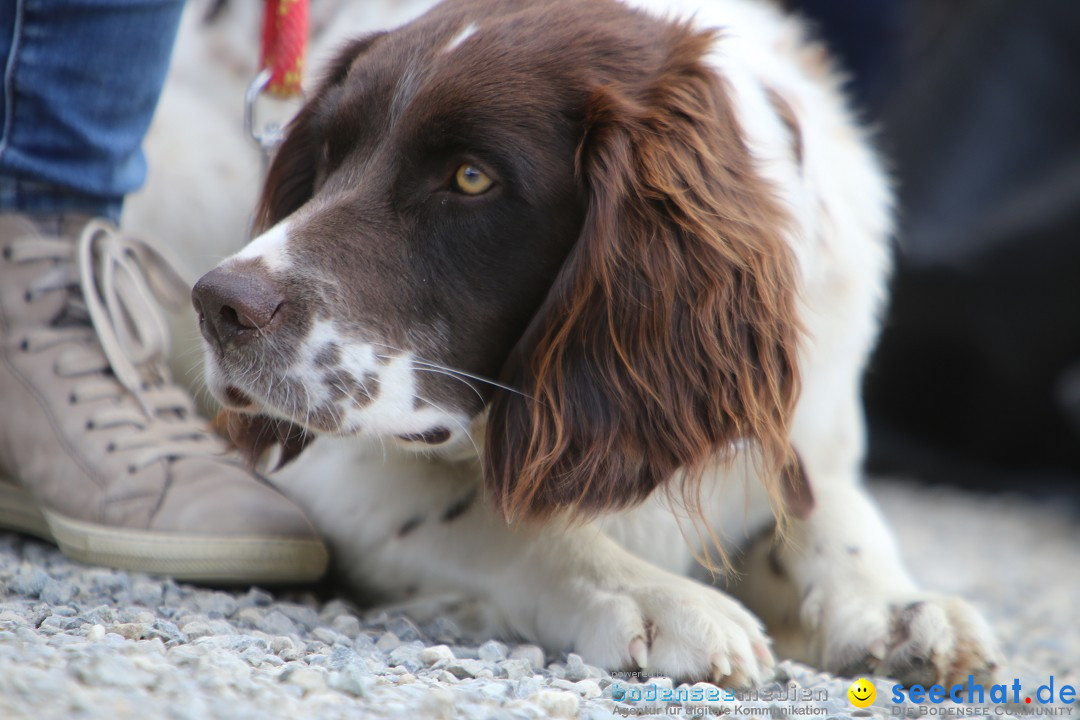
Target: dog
[[577, 297]]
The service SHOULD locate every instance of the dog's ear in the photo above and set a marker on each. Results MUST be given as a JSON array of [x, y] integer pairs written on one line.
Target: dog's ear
[[670, 334]]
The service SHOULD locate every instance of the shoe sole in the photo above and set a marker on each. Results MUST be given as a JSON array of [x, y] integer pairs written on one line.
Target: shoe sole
[[219, 560]]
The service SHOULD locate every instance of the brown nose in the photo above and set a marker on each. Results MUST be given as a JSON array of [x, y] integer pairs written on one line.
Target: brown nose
[[233, 305]]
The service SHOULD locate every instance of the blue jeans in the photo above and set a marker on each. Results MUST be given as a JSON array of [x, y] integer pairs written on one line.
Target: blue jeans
[[81, 81]]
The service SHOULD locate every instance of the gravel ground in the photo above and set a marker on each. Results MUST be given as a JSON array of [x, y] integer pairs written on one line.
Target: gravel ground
[[83, 642]]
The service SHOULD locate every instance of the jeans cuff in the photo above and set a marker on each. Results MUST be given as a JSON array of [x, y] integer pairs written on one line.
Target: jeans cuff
[[38, 198]]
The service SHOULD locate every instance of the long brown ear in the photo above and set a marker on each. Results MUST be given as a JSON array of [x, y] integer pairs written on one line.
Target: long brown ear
[[670, 333]]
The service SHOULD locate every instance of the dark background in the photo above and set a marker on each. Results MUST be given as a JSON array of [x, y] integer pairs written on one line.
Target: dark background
[[976, 104]]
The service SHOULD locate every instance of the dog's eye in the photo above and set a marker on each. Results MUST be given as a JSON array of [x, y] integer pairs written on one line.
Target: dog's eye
[[471, 180]]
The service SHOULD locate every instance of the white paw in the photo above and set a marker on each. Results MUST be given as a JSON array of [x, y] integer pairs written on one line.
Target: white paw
[[921, 639], [678, 628]]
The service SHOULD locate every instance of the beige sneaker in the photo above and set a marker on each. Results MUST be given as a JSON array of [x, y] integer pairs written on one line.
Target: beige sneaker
[[99, 451]]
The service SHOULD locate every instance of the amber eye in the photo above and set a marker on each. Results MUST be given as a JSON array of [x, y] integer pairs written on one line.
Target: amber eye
[[471, 180]]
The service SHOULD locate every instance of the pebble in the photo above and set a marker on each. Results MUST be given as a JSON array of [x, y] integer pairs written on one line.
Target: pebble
[[135, 615], [329, 637], [110, 670], [556, 703], [363, 643], [147, 593], [436, 653], [443, 629], [529, 686], [167, 631], [493, 690], [347, 625], [285, 648], [407, 656], [221, 627], [575, 668], [491, 652], [405, 629], [588, 689], [333, 608], [532, 653], [131, 631], [464, 668], [58, 592], [309, 679], [276, 622], [300, 615], [443, 676], [255, 597], [29, 581], [55, 623], [216, 604], [438, 704], [387, 642], [352, 680], [105, 581], [102, 615], [516, 668], [563, 684], [255, 656], [342, 656], [197, 629]]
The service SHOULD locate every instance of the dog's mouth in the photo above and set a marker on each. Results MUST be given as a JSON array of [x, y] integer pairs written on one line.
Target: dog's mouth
[[262, 412], [286, 401]]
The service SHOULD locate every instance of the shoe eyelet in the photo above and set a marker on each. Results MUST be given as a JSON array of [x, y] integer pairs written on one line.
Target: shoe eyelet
[[24, 345], [28, 297], [90, 425], [72, 399], [8, 254], [110, 448], [131, 469]]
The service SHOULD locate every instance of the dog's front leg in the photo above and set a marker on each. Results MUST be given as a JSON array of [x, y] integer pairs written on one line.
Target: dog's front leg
[[836, 594], [573, 588]]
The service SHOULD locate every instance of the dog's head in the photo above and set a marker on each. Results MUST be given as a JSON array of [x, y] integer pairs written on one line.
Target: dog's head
[[543, 215]]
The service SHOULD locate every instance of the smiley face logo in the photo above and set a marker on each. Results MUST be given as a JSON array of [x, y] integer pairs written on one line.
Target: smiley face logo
[[861, 693]]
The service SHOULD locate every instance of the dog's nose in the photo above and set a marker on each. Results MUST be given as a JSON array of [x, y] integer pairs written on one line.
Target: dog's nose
[[233, 305]]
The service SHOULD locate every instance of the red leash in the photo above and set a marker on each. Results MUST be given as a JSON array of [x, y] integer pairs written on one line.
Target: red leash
[[284, 44]]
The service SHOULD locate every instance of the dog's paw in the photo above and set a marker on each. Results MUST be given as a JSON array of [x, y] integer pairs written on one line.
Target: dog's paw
[[924, 639], [678, 628]]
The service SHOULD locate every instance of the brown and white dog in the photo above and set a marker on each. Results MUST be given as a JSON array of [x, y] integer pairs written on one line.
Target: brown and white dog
[[608, 273]]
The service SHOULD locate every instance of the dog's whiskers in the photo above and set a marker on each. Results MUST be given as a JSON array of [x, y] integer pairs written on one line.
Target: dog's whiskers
[[439, 371], [436, 366]]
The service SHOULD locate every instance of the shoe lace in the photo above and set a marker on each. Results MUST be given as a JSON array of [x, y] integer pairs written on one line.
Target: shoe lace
[[119, 340]]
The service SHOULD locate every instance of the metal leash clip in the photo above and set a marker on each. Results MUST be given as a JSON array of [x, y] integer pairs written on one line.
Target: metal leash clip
[[269, 136]]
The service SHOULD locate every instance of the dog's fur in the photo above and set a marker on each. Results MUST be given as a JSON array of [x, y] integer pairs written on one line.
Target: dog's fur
[[672, 284]]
